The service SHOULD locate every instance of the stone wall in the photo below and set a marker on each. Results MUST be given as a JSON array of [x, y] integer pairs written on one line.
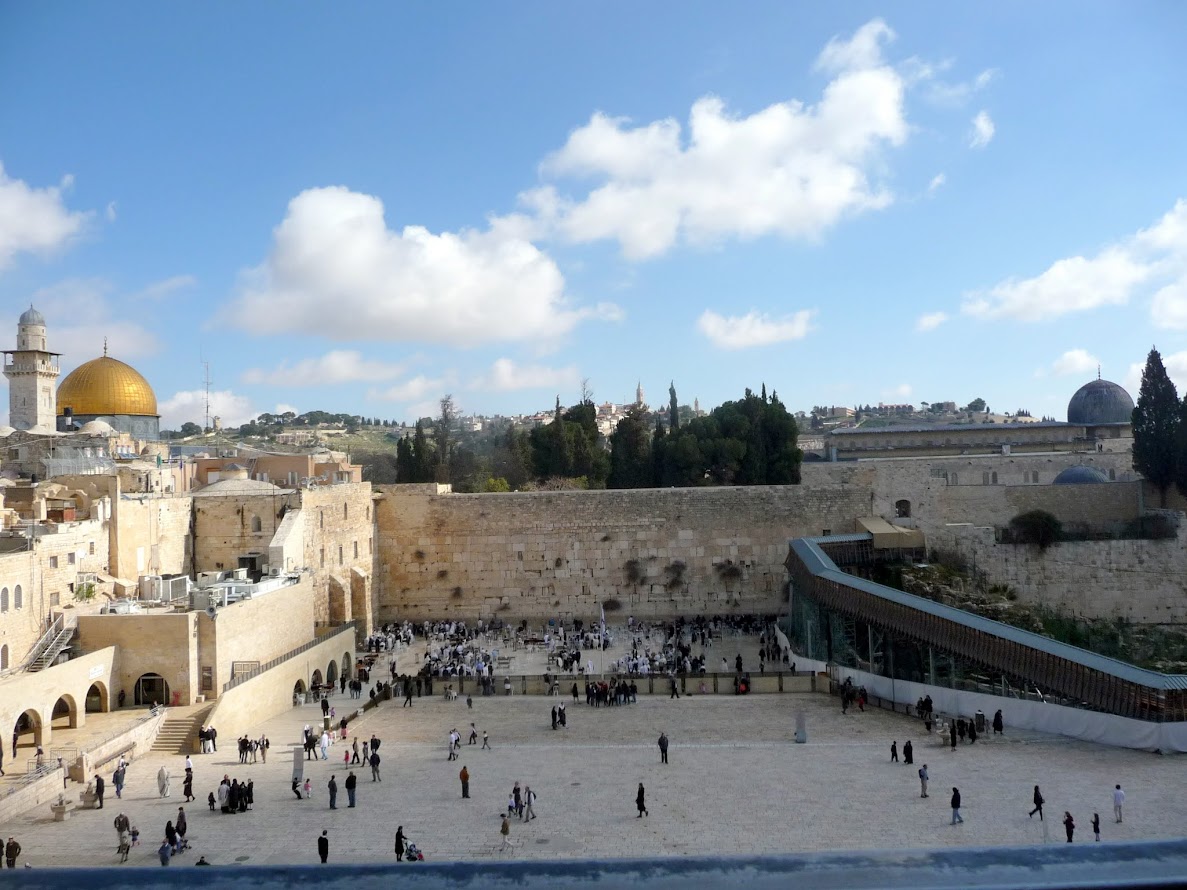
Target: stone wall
[[161, 643], [46, 575], [150, 535], [248, 704], [258, 629], [1143, 581], [543, 554], [562, 554], [339, 531]]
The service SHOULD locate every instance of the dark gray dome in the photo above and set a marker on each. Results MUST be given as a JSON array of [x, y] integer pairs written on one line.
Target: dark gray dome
[[32, 316], [1099, 402], [1081, 476]]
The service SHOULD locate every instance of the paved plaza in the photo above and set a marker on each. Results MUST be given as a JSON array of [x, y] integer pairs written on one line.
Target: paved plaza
[[736, 784]]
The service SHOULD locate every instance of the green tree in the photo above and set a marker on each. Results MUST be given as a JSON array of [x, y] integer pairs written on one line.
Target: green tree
[[442, 433], [673, 409], [423, 461], [976, 406], [630, 451], [1181, 449], [189, 428], [1156, 425]]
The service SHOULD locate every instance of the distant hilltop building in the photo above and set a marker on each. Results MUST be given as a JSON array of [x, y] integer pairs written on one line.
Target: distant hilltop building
[[1099, 418]]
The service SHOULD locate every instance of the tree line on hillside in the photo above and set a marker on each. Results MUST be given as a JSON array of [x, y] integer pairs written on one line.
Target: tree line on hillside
[[752, 441], [1160, 430]]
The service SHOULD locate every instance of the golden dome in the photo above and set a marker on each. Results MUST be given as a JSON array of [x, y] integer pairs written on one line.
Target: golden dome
[[106, 386]]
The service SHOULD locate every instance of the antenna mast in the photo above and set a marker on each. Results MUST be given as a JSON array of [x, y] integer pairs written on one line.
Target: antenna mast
[[206, 365]]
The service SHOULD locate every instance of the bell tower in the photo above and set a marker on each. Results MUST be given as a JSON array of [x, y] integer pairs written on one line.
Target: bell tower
[[32, 372]]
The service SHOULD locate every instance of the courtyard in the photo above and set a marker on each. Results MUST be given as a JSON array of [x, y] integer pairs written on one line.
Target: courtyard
[[737, 783]]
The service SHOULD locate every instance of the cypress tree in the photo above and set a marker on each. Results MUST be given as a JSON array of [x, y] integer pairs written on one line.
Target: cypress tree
[[1156, 426]]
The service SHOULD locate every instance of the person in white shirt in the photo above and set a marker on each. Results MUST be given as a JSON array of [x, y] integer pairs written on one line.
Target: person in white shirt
[[1118, 799]]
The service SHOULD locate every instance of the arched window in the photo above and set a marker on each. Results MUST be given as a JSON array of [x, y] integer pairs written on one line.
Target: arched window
[[18, 597], [3, 599], [993, 477], [4, 657], [346, 511], [256, 525], [902, 509]]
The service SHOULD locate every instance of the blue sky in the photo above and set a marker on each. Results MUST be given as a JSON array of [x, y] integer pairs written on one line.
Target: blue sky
[[360, 207]]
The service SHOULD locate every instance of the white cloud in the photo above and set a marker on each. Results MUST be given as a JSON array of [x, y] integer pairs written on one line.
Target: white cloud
[[754, 328], [284, 408], [930, 321], [111, 211], [940, 92], [937, 182], [338, 271], [790, 169], [983, 130], [413, 389], [34, 220], [336, 366], [79, 318], [190, 406], [163, 288], [1110, 278], [1075, 361], [860, 52], [902, 391], [505, 375]]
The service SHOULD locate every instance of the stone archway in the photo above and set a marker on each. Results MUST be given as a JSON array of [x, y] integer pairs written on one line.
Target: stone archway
[[151, 689], [316, 679], [97, 700], [27, 731], [332, 674], [347, 661], [65, 713], [299, 693]]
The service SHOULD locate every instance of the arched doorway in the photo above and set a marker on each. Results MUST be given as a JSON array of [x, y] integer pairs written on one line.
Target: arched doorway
[[4, 657], [26, 733], [902, 509], [96, 701], [151, 689], [65, 713], [315, 680], [332, 674], [299, 693], [346, 662]]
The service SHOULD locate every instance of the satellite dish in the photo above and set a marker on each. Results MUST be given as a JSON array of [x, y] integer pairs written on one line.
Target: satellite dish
[[212, 611]]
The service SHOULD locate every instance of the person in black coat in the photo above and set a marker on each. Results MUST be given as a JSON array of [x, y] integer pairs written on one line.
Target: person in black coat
[[956, 817], [99, 791], [400, 844], [323, 846], [641, 802], [1069, 825], [1038, 799], [908, 753]]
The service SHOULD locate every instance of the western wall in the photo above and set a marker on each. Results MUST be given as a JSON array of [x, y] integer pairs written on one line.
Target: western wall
[[666, 552]]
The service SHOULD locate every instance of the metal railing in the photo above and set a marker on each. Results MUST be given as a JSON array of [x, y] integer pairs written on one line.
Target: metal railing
[[280, 659], [43, 641]]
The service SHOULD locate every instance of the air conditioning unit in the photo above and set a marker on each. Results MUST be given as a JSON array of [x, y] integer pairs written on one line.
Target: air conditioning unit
[[239, 574], [274, 571]]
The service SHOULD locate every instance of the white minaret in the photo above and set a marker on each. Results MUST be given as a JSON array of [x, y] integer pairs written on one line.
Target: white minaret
[[32, 372]]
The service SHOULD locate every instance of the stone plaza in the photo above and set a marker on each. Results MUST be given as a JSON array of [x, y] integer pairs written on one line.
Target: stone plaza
[[737, 783]]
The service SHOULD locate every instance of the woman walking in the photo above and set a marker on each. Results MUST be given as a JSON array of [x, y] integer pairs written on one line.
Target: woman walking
[[400, 844], [188, 786], [641, 803], [1038, 799], [1069, 825]]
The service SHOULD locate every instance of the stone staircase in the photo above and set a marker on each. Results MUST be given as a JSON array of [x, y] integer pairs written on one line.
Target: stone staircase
[[179, 733]]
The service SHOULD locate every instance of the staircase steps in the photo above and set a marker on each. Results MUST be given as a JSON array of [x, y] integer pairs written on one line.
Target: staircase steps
[[62, 641], [179, 735]]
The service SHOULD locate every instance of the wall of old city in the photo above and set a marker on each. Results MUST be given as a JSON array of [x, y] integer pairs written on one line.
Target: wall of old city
[[339, 530], [1142, 581], [542, 554], [229, 525]]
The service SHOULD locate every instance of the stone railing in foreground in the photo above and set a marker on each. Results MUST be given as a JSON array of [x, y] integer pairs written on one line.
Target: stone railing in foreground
[[39, 787], [1100, 698], [268, 692]]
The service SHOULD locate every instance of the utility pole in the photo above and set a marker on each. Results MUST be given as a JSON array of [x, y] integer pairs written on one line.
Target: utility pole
[[206, 426]]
